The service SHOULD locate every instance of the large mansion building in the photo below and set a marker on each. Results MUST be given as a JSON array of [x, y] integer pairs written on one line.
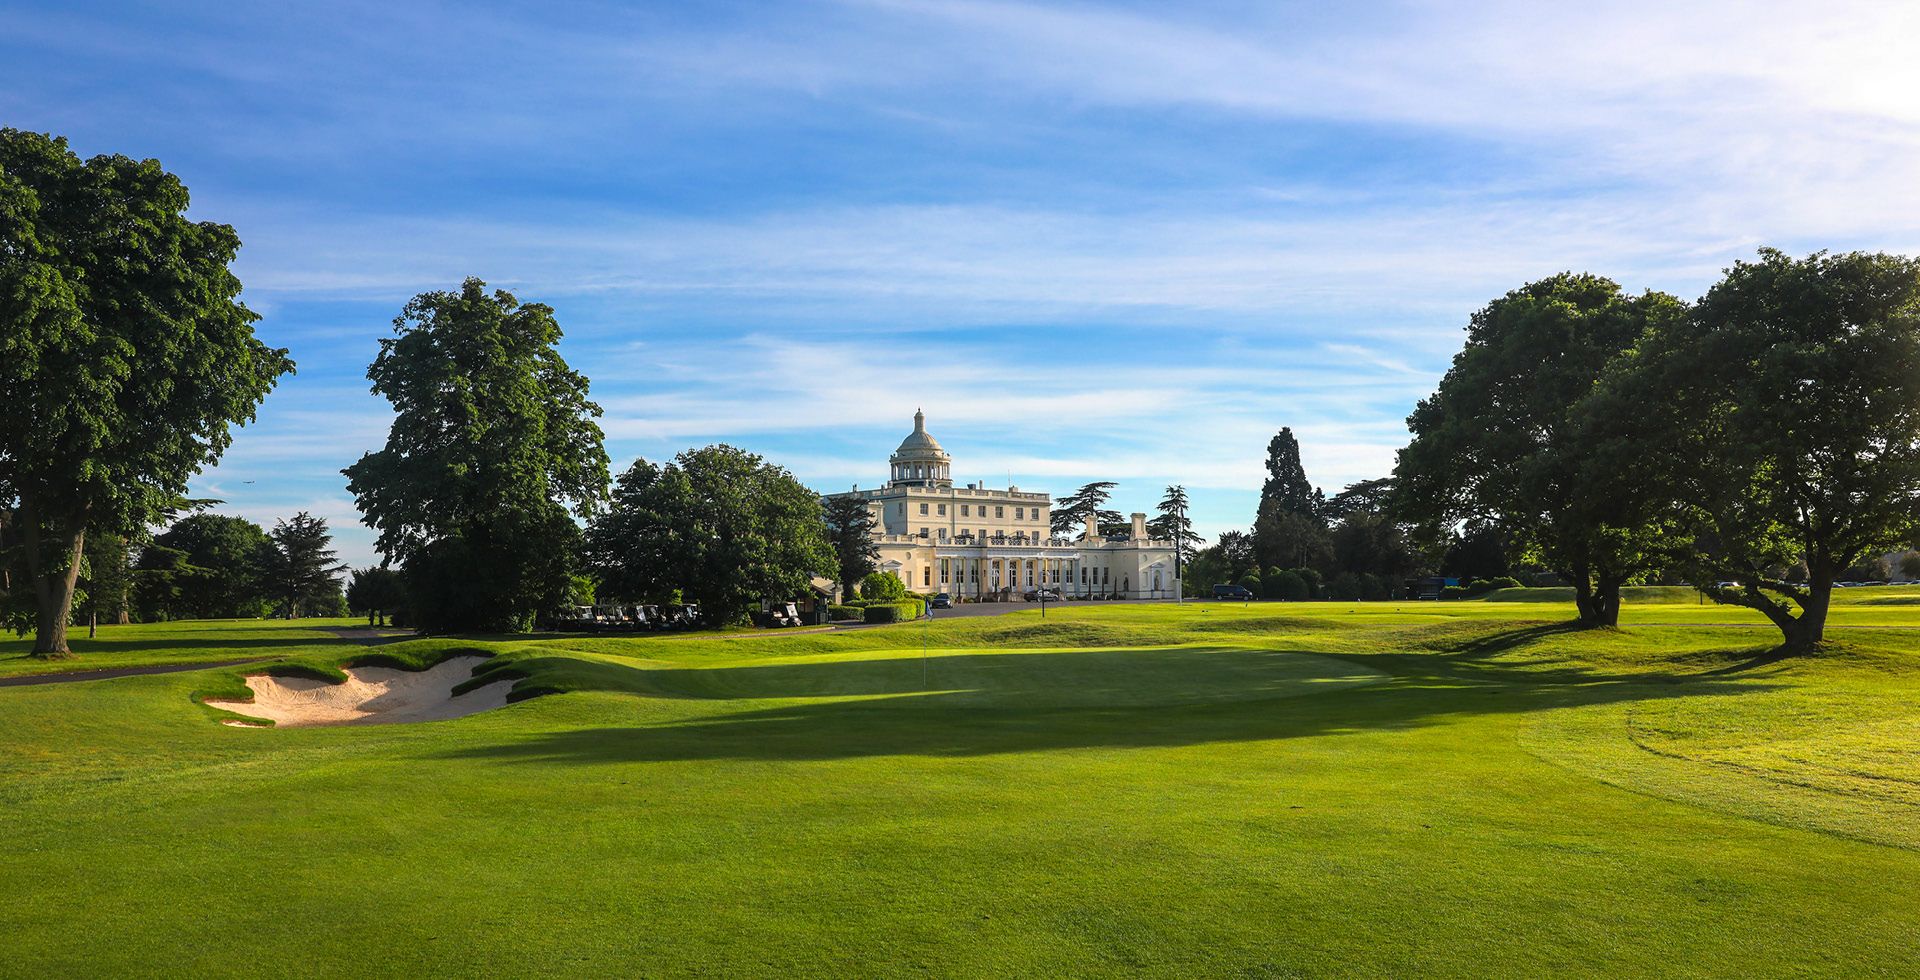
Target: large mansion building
[[974, 542]]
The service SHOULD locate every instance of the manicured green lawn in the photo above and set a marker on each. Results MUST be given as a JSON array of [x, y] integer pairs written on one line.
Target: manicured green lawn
[[1273, 790]]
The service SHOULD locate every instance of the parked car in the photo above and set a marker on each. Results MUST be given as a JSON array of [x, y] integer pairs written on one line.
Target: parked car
[[940, 600], [1237, 593], [1042, 595]]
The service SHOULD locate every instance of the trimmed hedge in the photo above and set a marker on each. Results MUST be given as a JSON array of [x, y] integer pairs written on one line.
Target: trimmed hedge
[[892, 612], [845, 611]]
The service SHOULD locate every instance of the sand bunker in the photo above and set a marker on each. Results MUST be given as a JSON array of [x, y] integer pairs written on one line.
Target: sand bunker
[[371, 695]]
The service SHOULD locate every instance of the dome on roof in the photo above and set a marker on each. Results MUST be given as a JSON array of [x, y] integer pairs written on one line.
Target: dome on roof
[[920, 461], [918, 444]]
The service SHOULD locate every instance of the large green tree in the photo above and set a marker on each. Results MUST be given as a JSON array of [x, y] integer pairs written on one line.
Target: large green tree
[[1288, 529], [1287, 486], [850, 529], [1781, 419], [207, 566], [303, 574], [1501, 440], [721, 525], [492, 452], [125, 355], [377, 591]]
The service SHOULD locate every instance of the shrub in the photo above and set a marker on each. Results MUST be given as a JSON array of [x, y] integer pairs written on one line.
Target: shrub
[[1288, 585], [891, 612], [1456, 592], [1250, 582], [1345, 587], [1375, 588], [1316, 588], [841, 612], [882, 587]]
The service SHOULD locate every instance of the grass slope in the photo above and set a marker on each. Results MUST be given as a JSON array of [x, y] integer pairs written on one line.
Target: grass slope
[[1269, 790]]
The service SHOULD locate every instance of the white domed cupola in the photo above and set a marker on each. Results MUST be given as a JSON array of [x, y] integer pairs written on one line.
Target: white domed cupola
[[920, 461]]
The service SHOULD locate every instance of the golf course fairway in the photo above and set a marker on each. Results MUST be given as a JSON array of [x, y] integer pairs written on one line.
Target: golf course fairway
[[1268, 790]]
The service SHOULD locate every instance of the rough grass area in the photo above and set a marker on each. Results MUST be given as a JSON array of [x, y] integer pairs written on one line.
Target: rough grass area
[[1277, 789]]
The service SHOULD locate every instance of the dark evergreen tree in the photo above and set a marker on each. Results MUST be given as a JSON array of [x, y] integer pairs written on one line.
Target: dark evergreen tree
[[1287, 486], [850, 530], [1287, 528], [1172, 524], [1070, 513], [303, 574]]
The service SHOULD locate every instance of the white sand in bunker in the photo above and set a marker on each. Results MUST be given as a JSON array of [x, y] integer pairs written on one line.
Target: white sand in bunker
[[371, 695]]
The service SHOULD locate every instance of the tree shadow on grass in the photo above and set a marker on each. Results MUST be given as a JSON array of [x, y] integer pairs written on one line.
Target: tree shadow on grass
[[1001, 708]]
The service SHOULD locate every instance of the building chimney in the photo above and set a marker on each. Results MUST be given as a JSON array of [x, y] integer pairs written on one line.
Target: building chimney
[[1093, 528], [1139, 527]]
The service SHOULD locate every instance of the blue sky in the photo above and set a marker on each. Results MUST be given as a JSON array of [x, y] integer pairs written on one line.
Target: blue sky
[[1119, 241]]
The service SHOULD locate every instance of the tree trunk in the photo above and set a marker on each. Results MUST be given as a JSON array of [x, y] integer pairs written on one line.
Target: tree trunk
[[1606, 602], [1584, 601], [53, 591], [1808, 630]]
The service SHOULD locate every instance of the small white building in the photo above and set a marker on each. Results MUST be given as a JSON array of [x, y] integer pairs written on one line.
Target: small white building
[[976, 543]]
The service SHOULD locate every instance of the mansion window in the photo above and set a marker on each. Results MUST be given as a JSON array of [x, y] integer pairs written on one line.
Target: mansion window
[[923, 510], [999, 512], [1019, 513], [926, 576], [943, 510], [963, 510]]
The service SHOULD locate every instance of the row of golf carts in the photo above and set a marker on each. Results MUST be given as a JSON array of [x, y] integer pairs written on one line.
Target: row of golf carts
[[627, 618]]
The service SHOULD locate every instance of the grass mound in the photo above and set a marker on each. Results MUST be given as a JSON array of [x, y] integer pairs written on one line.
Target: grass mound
[[1059, 633]]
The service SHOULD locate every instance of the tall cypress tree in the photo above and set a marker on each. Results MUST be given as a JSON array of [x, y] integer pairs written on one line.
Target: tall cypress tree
[[1287, 485], [1288, 531]]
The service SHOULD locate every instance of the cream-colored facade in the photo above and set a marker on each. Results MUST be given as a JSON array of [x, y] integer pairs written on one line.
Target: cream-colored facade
[[980, 543]]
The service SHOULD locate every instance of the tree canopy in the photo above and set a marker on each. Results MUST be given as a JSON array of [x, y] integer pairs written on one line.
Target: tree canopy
[[492, 451], [1287, 486], [125, 355], [1071, 512], [378, 592], [207, 566], [1501, 440], [720, 525], [1780, 420]]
